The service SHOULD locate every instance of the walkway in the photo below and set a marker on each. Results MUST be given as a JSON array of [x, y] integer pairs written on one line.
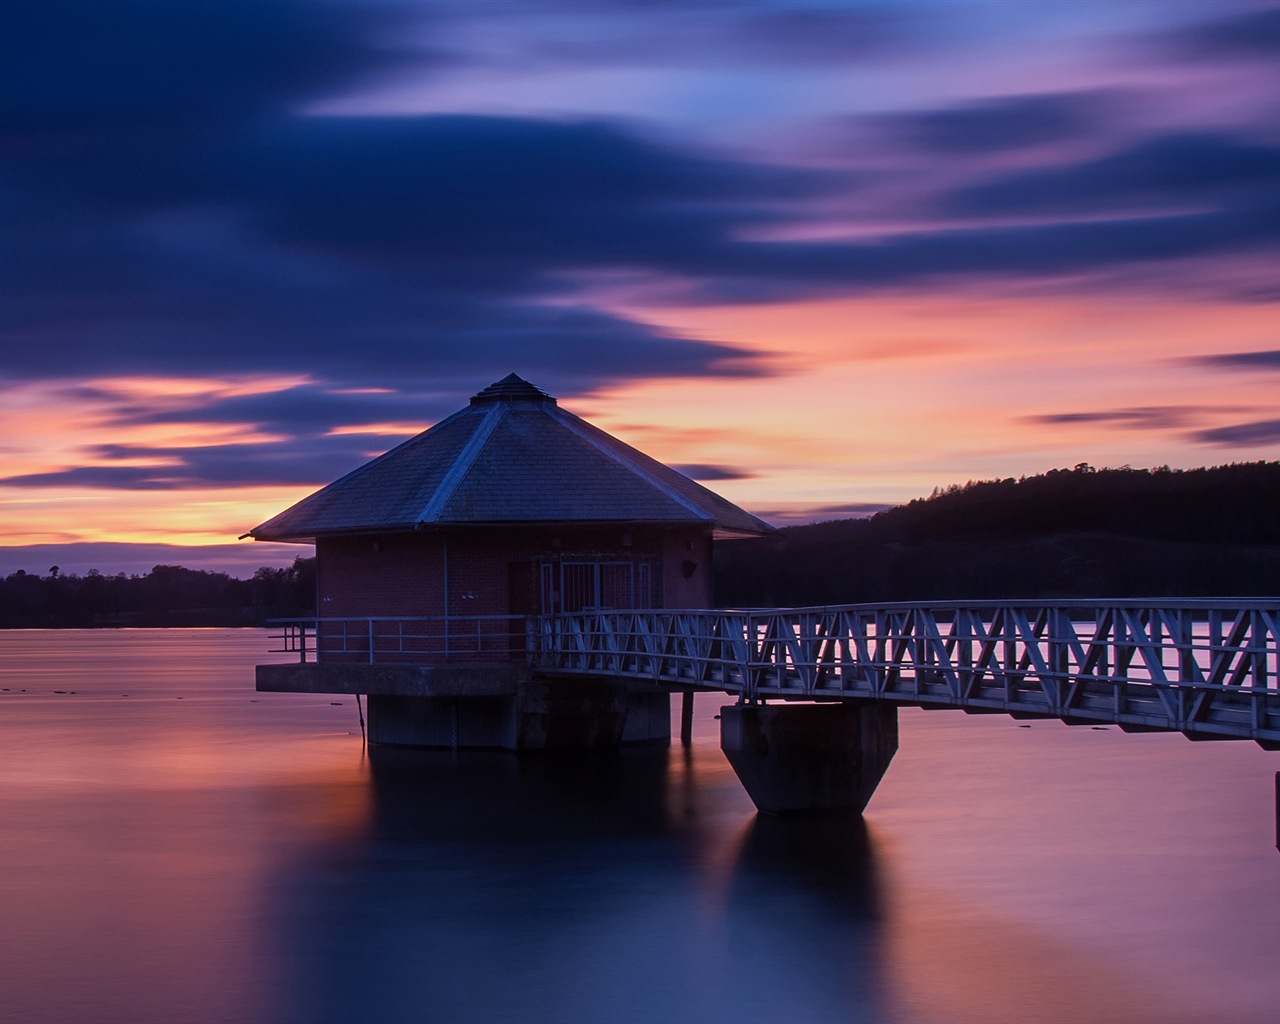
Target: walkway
[[1205, 668]]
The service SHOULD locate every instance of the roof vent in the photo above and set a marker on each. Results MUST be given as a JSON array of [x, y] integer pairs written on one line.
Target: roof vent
[[512, 388]]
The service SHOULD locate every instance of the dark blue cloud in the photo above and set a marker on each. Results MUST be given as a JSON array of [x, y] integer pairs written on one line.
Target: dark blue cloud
[[1001, 123], [493, 202], [1241, 435], [138, 92], [1251, 34], [775, 34], [1266, 359], [296, 461], [763, 271], [1183, 169], [702, 471], [1148, 417], [294, 410], [68, 63], [805, 35]]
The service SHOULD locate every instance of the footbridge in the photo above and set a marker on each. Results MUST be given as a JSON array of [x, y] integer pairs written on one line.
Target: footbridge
[[1204, 668]]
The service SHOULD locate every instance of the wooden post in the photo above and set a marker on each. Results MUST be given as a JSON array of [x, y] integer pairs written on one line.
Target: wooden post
[[686, 731]]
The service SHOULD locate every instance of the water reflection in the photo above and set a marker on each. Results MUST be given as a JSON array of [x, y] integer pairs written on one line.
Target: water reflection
[[199, 853], [490, 887]]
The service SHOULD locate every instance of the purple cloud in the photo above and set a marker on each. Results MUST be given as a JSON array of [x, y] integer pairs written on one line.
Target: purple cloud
[[1146, 418], [1000, 123], [1267, 359], [1241, 435], [1189, 170], [702, 471]]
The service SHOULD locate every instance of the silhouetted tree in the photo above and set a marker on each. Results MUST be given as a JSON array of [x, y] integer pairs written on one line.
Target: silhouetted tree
[[169, 595]]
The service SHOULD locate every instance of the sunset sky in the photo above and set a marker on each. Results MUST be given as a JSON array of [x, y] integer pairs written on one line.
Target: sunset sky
[[828, 255]]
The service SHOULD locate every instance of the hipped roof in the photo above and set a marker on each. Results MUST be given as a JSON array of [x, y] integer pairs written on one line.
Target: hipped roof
[[511, 456]]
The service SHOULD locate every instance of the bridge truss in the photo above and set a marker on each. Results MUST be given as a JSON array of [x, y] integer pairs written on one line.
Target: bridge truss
[[1205, 668]]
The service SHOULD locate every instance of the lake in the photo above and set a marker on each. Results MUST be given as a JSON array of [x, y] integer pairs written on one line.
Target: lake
[[175, 847]]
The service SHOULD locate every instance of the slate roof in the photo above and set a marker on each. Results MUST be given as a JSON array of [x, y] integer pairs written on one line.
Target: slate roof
[[511, 456]]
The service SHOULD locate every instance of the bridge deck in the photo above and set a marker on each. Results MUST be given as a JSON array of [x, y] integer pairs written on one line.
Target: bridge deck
[[1205, 668]]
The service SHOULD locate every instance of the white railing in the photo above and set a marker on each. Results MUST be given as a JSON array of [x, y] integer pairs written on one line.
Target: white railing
[[400, 640], [1204, 667]]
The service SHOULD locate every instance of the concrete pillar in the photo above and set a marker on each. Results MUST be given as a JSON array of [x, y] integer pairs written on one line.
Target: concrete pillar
[[808, 758], [476, 723], [648, 717]]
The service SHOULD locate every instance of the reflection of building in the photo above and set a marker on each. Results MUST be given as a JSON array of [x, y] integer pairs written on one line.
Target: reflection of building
[[432, 554]]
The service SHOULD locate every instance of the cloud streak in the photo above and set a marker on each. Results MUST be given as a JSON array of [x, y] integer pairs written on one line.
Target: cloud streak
[[1254, 434]]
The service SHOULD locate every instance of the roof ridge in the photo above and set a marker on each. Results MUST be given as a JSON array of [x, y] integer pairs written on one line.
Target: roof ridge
[[585, 431], [511, 388], [463, 463]]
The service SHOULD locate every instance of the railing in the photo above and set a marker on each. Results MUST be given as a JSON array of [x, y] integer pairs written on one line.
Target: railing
[[404, 640], [1206, 668]]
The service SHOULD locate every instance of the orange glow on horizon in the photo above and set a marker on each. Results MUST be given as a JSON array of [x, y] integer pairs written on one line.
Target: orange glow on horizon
[[188, 518], [888, 398], [867, 401]]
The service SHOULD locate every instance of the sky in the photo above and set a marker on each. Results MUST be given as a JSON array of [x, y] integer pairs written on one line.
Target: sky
[[826, 256]]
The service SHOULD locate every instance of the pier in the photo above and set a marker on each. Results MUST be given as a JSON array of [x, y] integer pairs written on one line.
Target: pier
[[813, 725]]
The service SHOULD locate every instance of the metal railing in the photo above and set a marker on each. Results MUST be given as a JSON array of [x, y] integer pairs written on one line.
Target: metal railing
[[1207, 668], [403, 639]]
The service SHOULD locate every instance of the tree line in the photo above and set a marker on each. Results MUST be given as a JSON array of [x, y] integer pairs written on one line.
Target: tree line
[[1079, 532], [168, 595]]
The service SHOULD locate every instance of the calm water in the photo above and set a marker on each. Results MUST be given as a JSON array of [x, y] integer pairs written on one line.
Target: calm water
[[177, 848]]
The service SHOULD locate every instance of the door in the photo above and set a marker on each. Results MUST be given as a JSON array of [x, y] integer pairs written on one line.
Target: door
[[591, 585]]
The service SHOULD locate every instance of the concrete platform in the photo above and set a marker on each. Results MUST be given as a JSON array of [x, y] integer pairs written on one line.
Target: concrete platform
[[478, 706], [477, 679]]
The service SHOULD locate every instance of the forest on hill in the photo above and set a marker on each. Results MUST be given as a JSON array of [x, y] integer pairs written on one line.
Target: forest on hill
[[1080, 532]]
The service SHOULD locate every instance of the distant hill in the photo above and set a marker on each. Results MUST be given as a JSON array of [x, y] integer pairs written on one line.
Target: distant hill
[[1081, 532], [169, 595]]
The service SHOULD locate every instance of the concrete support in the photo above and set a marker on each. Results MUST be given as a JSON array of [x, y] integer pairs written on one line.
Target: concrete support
[[808, 758], [476, 723], [564, 714], [542, 713], [648, 717]]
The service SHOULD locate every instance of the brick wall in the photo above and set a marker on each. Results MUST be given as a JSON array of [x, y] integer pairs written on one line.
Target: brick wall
[[494, 570], [387, 574]]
